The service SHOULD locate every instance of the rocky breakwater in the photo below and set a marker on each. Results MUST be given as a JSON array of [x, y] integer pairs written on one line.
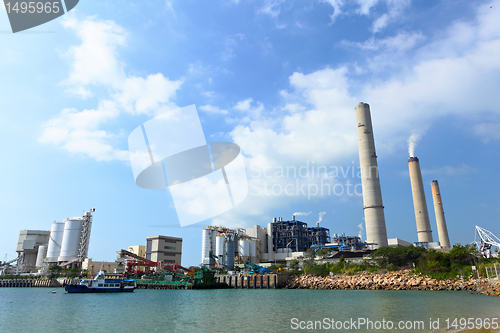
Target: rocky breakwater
[[489, 287], [399, 280]]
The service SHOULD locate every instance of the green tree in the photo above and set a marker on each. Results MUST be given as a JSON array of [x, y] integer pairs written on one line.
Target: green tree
[[294, 265], [397, 256], [323, 253], [309, 258]]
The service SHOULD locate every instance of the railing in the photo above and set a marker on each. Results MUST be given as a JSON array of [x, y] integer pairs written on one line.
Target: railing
[[492, 272]]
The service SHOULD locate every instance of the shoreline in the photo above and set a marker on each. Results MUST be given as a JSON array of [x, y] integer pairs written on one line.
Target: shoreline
[[398, 280]]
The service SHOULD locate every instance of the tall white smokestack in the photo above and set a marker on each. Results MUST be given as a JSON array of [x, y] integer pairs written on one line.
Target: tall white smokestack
[[421, 214], [372, 195], [444, 240]]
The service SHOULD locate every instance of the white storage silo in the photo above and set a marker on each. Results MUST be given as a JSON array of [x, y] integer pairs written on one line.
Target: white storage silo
[[231, 247], [213, 240], [206, 239], [71, 239], [42, 252], [253, 250], [55, 241], [219, 245], [244, 249]]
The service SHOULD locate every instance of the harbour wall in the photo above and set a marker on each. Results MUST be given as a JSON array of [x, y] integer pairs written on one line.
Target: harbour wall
[[254, 281], [27, 283]]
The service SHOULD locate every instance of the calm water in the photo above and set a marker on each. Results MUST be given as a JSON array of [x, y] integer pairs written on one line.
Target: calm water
[[38, 310]]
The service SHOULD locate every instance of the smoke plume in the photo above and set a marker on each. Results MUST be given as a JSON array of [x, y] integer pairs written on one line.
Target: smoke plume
[[361, 230], [302, 213], [412, 143], [320, 218]]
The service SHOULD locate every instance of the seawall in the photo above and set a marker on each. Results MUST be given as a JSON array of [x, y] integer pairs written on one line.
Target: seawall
[[400, 280]]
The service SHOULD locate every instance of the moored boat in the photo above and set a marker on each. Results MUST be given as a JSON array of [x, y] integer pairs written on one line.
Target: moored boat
[[102, 283]]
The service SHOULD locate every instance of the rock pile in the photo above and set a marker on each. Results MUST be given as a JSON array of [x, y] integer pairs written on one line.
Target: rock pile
[[490, 287], [399, 280]]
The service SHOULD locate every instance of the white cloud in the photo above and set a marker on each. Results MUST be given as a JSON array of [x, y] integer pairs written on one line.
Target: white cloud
[[95, 64], [487, 131], [271, 8], [146, 95], [169, 6], [243, 105], [401, 42], [231, 43], [450, 171], [337, 8], [365, 6], [213, 109], [95, 60], [395, 8]]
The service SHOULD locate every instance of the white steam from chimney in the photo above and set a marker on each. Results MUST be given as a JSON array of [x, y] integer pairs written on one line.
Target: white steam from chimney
[[320, 218], [361, 230], [412, 143], [302, 213]]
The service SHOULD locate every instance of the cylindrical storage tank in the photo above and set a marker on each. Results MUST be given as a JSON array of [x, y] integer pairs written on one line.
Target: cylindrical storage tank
[[230, 252], [244, 249], [270, 244], [205, 244], [220, 242], [71, 239], [424, 232], [213, 240], [42, 252], [253, 250], [55, 241]]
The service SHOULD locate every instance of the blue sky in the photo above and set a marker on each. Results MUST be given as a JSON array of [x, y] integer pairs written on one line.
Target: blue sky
[[280, 79]]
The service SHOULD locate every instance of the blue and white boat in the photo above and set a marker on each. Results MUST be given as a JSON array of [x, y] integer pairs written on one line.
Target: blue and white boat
[[102, 283]]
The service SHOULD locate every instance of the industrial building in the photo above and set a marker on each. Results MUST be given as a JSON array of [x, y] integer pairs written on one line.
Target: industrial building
[[66, 244], [164, 248], [279, 241], [297, 236], [140, 250], [93, 267], [31, 247], [69, 241]]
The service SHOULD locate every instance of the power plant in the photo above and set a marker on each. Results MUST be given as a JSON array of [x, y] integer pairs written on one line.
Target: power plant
[[66, 244], [444, 240], [376, 232], [420, 205], [281, 240]]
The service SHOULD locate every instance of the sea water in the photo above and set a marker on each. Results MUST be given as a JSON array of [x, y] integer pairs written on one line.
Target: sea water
[[281, 310]]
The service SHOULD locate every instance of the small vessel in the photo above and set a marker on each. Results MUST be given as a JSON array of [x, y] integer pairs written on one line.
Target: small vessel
[[102, 283]]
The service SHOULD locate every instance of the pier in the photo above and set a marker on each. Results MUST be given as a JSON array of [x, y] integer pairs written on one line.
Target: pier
[[254, 281], [27, 283]]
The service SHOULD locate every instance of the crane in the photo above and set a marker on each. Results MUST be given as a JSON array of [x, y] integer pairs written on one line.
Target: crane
[[6, 264], [484, 240]]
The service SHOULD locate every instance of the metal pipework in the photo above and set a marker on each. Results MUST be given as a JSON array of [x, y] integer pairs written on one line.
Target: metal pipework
[[372, 195], [421, 214], [444, 240]]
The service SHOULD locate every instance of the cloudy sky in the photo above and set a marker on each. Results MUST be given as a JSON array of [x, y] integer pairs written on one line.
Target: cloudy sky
[[278, 78]]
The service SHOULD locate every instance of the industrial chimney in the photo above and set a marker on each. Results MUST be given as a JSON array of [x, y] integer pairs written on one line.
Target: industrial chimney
[[372, 196], [421, 214], [444, 240]]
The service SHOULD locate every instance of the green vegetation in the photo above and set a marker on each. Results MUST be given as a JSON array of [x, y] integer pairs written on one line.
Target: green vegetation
[[454, 264]]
